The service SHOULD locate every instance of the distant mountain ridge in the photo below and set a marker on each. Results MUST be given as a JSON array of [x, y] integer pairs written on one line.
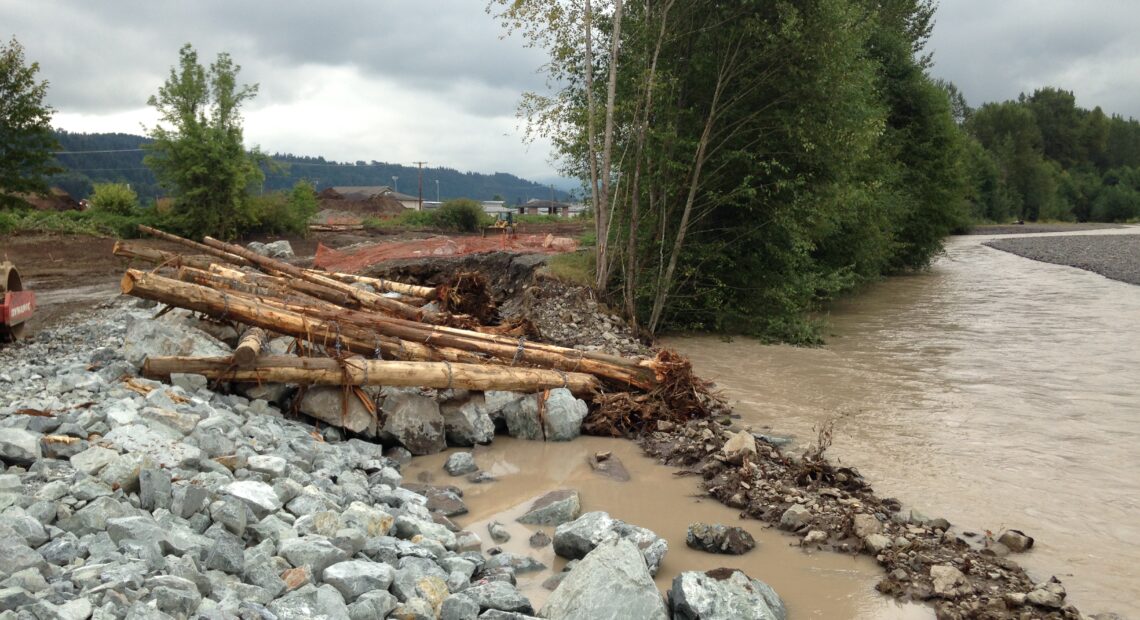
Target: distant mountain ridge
[[89, 158]]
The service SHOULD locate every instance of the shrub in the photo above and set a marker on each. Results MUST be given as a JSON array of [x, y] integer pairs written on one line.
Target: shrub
[[279, 212], [463, 215], [116, 198]]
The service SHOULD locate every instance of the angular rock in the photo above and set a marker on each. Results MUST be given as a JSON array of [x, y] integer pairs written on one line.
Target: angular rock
[[355, 577], [498, 595], [719, 539], [608, 465], [562, 416], [1050, 594], [260, 497], [863, 525], [795, 517], [466, 423], [154, 489], [373, 521], [273, 466], [314, 552], [372, 605], [554, 508], [539, 539], [723, 594], [414, 421], [517, 563], [161, 338], [460, 463], [739, 446], [877, 543], [577, 538], [19, 446], [948, 581], [328, 403], [612, 581]]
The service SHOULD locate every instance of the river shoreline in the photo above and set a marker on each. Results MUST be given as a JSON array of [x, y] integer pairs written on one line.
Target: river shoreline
[[1116, 257]]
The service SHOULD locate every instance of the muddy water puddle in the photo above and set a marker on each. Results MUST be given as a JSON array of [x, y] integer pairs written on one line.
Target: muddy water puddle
[[995, 391], [812, 584]]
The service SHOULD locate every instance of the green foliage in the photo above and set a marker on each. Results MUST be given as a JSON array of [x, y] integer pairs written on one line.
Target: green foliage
[[115, 198], [26, 139], [1052, 160], [462, 215], [95, 223], [199, 155], [573, 267], [407, 220], [280, 212]]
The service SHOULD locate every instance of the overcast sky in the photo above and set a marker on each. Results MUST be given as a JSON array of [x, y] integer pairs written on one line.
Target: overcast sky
[[434, 80]]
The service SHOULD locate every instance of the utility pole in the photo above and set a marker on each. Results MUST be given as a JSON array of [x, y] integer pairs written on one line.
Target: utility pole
[[420, 164], [396, 184], [437, 190]]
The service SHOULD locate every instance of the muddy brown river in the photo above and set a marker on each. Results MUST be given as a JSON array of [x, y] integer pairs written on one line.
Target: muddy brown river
[[995, 391]]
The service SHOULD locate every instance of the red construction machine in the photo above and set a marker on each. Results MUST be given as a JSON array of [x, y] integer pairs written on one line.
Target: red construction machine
[[16, 304]]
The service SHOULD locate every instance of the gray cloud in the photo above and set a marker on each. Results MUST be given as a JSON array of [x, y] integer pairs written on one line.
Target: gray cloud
[[995, 50]]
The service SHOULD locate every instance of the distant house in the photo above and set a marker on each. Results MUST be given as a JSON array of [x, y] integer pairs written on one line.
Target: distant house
[[495, 207], [367, 192], [544, 207]]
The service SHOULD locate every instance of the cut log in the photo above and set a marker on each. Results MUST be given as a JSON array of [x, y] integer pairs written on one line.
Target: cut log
[[197, 247], [426, 292], [136, 251], [356, 371], [251, 311], [368, 300], [249, 347], [623, 372]]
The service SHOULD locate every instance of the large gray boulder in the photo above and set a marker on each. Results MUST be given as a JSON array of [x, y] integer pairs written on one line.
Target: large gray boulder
[[415, 422], [554, 508], [612, 581], [579, 537], [498, 595], [466, 422], [562, 416], [355, 577], [328, 403], [717, 538], [19, 446], [723, 594], [145, 338], [260, 497]]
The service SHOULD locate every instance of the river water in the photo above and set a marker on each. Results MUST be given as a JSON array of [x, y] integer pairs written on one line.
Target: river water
[[993, 390]]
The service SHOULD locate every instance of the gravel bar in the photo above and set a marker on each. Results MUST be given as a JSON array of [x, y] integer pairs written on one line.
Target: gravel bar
[[1032, 228], [1112, 256]]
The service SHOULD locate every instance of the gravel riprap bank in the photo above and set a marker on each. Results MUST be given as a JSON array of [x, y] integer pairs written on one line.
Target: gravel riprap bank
[[1112, 256]]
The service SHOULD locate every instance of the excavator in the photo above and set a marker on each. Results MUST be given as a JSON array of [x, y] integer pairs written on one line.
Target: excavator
[[16, 304]]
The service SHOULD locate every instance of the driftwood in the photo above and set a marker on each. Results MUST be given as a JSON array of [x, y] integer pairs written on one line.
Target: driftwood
[[426, 292], [361, 372]]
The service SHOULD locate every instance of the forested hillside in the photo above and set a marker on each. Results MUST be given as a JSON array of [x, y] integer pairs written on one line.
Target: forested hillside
[[116, 157]]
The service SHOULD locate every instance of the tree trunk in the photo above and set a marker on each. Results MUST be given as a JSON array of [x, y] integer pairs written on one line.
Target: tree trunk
[[355, 371]]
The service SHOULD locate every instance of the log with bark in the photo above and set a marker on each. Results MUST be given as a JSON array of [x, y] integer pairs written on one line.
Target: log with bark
[[368, 300], [362, 372]]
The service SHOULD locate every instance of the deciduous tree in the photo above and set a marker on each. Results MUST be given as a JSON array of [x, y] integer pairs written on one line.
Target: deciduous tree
[[26, 139], [198, 153]]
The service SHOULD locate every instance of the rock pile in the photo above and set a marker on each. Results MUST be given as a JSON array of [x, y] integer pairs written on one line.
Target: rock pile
[[963, 576], [124, 497]]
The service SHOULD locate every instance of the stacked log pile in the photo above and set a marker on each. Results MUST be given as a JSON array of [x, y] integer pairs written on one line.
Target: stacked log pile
[[406, 336]]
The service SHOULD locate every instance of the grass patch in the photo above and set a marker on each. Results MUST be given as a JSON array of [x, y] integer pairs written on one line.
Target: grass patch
[[574, 267], [94, 223]]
